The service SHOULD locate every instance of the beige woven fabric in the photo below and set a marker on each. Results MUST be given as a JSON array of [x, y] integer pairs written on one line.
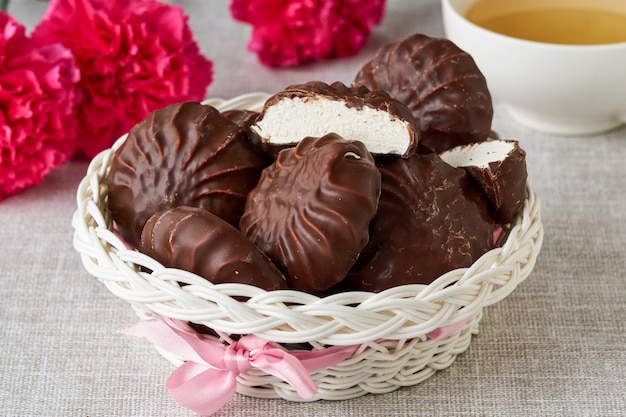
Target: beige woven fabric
[[555, 346]]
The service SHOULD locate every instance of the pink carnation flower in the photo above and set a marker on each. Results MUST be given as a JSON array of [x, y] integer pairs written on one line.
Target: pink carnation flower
[[292, 32], [135, 56], [37, 97]]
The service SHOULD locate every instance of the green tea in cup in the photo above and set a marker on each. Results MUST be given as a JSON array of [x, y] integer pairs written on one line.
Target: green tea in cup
[[572, 22]]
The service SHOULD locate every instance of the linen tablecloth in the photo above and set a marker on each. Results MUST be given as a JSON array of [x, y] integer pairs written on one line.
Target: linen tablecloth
[[556, 346]]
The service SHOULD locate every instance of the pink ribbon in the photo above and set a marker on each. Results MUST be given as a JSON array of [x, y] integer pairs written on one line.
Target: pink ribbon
[[497, 232], [446, 331], [207, 379]]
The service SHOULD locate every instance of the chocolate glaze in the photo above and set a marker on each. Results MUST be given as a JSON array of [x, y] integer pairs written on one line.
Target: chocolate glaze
[[311, 210], [431, 219], [242, 118], [353, 97], [440, 83], [196, 240], [246, 119], [183, 154]]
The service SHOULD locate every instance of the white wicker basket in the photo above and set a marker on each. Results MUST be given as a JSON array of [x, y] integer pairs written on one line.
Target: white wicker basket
[[390, 327]]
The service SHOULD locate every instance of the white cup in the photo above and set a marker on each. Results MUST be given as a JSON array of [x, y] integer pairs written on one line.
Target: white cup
[[554, 88]]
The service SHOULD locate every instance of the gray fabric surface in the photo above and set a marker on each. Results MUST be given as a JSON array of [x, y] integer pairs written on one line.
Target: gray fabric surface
[[556, 346]]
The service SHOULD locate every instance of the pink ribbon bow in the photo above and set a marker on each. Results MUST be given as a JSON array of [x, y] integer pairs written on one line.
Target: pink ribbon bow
[[207, 380]]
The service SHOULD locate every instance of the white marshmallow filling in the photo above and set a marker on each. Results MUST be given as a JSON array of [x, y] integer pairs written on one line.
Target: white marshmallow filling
[[292, 119], [479, 154]]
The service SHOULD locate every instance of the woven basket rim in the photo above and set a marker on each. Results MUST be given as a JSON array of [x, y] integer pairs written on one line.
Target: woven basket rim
[[290, 316]]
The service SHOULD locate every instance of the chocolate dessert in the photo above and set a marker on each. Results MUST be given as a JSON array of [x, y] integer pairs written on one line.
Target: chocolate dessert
[[315, 109], [431, 219], [311, 210], [198, 241], [183, 154], [441, 85], [499, 169]]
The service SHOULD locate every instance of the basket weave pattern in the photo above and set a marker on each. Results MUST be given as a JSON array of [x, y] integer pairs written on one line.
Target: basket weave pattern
[[390, 327]]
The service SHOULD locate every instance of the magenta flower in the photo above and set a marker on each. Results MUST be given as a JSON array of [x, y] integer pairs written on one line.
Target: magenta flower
[[38, 95], [292, 32], [135, 56]]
